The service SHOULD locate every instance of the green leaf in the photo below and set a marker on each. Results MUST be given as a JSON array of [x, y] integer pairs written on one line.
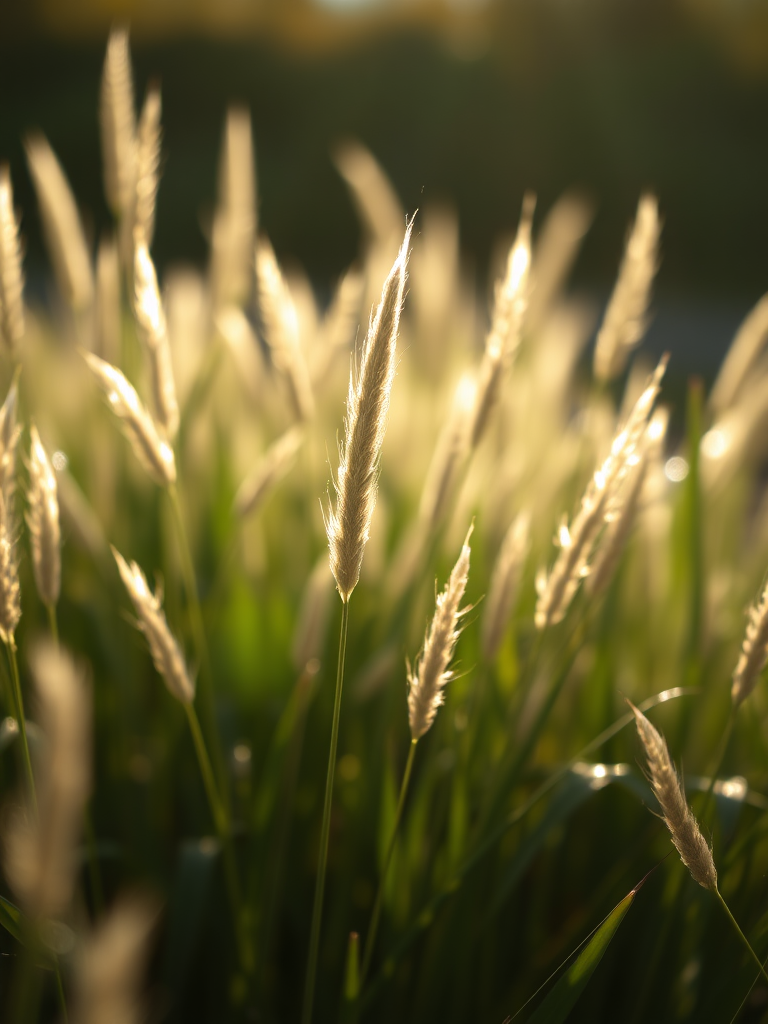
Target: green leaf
[[10, 919], [566, 992]]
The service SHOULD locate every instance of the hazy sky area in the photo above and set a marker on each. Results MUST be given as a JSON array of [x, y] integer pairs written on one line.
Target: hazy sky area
[[466, 102]]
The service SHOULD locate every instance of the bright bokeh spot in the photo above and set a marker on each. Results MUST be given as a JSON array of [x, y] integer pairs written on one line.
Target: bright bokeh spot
[[676, 469]]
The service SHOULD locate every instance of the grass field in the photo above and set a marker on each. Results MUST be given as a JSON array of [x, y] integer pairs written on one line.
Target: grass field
[[164, 846]]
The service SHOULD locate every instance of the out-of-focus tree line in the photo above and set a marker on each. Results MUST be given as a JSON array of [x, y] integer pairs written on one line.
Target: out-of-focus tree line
[[471, 102]]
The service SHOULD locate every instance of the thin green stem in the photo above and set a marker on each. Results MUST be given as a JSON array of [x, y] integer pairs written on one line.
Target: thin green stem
[[53, 624], [60, 994], [220, 817], [10, 647], [742, 936], [205, 689], [719, 758], [470, 863], [223, 830], [371, 940], [317, 909]]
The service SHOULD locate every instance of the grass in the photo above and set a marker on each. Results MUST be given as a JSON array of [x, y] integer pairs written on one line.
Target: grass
[[524, 820]]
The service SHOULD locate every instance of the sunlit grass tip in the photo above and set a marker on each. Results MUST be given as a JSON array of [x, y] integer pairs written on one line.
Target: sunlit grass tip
[[348, 523], [678, 817], [427, 682]]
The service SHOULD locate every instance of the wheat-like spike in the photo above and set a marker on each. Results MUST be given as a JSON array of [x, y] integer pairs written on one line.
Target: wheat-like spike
[[754, 651], [375, 199], [41, 851], [742, 355], [337, 331], [163, 646], [9, 439], [154, 453], [503, 338], [11, 276], [148, 164], [626, 315], [450, 451], [557, 589], [281, 330], [110, 961], [150, 315], [118, 125], [621, 517], [10, 592], [348, 524], [43, 522], [274, 465], [668, 790], [554, 253], [234, 223], [61, 223], [504, 583], [427, 682]]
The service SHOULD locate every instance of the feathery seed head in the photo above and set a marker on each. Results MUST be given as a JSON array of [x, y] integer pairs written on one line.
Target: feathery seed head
[[280, 328], [504, 583], [61, 222], [151, 317], [503, 339], [109, 962], [41, 855], [154, 453], [272, 468], [43, 522], [754, 651], [557, 588], [147, 164], [9, 439], [668, 790], [163, 646], [11, 277], [348, 524], [426, 683], [626, 315], [10, 593], [118, 125], [234, 223]]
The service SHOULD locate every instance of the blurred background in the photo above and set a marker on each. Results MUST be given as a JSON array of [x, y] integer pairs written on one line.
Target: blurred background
[[461, 101]]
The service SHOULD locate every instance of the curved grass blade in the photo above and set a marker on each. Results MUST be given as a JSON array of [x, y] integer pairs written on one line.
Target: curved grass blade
[[563, 997], [427, 915]]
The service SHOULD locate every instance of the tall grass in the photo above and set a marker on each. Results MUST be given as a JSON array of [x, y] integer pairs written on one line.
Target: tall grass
[[203, 847]]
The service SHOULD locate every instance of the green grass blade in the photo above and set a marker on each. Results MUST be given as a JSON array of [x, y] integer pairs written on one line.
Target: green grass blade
[[10, 919], [566, 992]]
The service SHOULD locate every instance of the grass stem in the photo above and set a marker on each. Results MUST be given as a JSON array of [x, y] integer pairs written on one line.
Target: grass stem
[[317, 909], [223, 830], [742, 936], [10, 647], [371, 940], [719, 758], [205, 689]]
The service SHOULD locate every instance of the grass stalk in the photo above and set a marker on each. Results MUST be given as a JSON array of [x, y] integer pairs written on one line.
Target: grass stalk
[[10, 648], [741, 934], [427, 913], [718, 763], [222, 824], [371, 940], [317, 909], [206, 700]]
